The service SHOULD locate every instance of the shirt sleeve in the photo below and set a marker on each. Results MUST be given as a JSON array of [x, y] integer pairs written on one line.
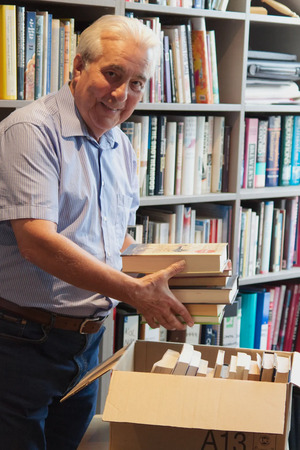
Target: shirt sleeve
[[29, 173]]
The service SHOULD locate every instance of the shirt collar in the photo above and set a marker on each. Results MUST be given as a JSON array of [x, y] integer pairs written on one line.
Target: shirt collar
[[72, 124]]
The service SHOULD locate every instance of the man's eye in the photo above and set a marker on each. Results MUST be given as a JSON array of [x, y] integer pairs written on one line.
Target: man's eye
[[111, 74], [138, 85]]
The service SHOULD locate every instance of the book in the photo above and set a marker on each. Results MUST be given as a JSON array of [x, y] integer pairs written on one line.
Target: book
[[199, 309], [152, 144], [277, 318], [8, 53], [190, 60], [127, 325], [262, 319], [160, 155], [219, 363], [267, 367], [199, 147], [67, 49], [282, 365], [201, 280], [167, 71], [295, 157], [149, 258], [144, 121], [251, 133], [173, 34], [266, 237], [188, 155], [29, 83], [243, 363], [193, 334], [48, 60], [290, 232], [167, 363], [39, 57], [54, 56], [284, 317], [20, 51], [254, 372], [194, 364], [217, 154], [183, 360], [46, 49], [261, 156], [203, 367], [209, 151], [201, 69], [291, 319], [184, 60], [207, 294], [136, 144], [273, 151], [232, 367], [285, 165], [136, 231], [214, 67], [230, 328], [61, 60], [226, 159], [249, 304]]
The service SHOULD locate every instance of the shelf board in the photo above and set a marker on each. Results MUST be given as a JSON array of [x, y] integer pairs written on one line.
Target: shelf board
[[270, 192], [101, 3], [272, 108], [190, 12], [157, 200], [14, 103], [274, 20], [187, 107], [271, 276]]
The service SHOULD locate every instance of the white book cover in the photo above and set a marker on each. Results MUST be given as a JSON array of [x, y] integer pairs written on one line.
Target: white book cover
[[204, 160], [144, 120], [137, 142], [214, 66], [193, 334], [199, 148], [179, 150], [267, 234], [186, 225], [179, 209], [184, 64], [193, 226], [217, 154], [170, 161], [252, 240], [210, 134], [188, 158], [54, 55]]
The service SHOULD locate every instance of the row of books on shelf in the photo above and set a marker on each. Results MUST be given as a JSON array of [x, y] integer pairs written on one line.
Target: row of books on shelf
[[37, 52], [218, 5], [271, 152], [264, 318], [271, 367], [183, 224], [269, 237], [187, 71], [180, 155]]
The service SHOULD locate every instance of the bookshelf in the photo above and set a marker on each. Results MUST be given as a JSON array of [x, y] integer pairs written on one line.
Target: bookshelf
[[235, 30]]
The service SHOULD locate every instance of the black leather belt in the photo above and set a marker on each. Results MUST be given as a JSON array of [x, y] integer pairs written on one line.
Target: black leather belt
[[46, 318]]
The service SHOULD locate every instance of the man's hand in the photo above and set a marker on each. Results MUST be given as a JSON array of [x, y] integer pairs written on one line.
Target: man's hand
[[157, 304]]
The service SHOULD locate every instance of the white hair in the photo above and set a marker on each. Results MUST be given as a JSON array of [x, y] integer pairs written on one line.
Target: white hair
[[119, 28]]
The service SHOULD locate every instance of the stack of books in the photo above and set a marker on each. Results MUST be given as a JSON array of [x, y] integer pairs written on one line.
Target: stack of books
[[205, 285]]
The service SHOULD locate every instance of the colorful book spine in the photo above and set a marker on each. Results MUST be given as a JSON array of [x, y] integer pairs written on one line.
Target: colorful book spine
[[285, 166], [295, 158], [67, 47], [8, 53], [20, 51], [39, 57], [30, 55], [201, 69], [249, 305], [261, 156], [262, 319], [273, 151]]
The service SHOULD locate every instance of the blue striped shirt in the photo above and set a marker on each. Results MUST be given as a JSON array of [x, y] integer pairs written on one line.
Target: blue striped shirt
[[52, 169]]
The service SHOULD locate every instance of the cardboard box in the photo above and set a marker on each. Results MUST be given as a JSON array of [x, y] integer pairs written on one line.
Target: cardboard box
[[157, 411]]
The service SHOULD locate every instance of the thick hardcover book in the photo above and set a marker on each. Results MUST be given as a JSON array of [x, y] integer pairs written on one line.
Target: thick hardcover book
[[152, 142], [249, 304], [30, 55], [295, 158], [152, 257], [190, 60], [261, 156], [39, 56], [160, 155], [20, 51], [285, 166], [273, 151], [201, 69], [8, 53], [251, 131]]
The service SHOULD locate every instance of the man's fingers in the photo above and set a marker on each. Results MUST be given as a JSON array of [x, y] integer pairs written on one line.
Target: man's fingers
[[175, 268]]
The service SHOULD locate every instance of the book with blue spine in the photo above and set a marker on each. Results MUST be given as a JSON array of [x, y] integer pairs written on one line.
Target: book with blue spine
[[29, 55], [260, 166], [295, 158], [262, 319], [248, 320], [273, 151], [286, 151]]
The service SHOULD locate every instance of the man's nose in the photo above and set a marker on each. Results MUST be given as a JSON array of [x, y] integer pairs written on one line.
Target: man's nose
[[121, 91]]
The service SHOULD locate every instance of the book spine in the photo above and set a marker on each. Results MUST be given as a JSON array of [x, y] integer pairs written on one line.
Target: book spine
[[250, 152], [226, 159], [210, 138], [167, 77], [188, 158], [29, 82], [199, 155], [172, 76], [186, 230], [67, 51], [39, 57], [190, 60], [204, 159], [184, 64], [295, 159], [54, 55], [285, 165], [290, 232], [284, 317], [144, 156], [273, 151], [266, 239], [214, 67], [152, 154], [137, 140], [160, 155], [128, 128], [61, 55], [201, 70], [20, 51], [260, 168], [260, 237], [169, 181], [49, 55], [8, 55], [217, 154], [179, 150]]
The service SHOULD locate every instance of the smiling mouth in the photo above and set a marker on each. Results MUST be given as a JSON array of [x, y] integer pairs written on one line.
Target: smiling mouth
[[108, 107]]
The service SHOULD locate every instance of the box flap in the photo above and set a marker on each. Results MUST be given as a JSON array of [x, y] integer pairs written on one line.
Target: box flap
[[195, 402], [295, 372]]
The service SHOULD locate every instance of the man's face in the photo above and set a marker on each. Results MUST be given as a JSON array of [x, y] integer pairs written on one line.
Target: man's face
[[107, 92]]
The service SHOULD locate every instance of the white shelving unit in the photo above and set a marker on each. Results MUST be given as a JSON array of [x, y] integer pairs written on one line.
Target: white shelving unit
[[235, 30]]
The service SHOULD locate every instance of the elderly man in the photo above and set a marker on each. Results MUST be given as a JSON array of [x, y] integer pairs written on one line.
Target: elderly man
[[69, 189]]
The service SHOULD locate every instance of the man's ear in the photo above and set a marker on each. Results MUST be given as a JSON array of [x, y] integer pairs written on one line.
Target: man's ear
[[78, 65]]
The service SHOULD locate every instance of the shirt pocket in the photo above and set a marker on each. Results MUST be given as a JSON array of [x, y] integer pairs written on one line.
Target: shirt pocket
[[122, 217]]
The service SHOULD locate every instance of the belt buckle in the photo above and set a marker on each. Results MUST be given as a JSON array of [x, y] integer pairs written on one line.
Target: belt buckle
[[95, 319]]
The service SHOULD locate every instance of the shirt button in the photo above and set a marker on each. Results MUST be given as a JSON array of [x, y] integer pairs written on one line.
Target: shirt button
[[102, 183], [108, 254], [104, 218]]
